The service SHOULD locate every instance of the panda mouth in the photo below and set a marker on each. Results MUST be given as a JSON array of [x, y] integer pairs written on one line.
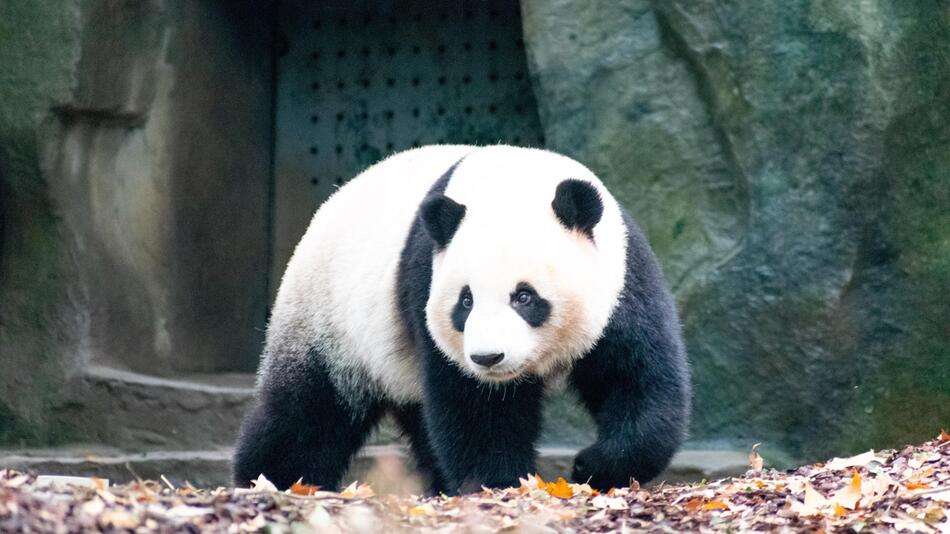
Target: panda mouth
[[493, 375]]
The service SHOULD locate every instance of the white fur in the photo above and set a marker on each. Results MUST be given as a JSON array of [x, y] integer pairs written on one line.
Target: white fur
[[338, 293]]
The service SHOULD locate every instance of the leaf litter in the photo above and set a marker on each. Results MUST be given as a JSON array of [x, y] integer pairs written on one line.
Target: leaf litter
[[885, 491]]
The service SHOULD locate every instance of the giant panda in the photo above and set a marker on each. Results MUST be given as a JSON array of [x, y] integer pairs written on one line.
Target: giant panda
[[453, 286]]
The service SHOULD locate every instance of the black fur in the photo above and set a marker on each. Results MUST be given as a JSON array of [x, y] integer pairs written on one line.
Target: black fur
[[536, 311], [410, 419], [635, 381], [441, 217], [578, 206], [460, 312], [300, 427]]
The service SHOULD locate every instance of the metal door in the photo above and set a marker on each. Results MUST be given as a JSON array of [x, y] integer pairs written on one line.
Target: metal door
[[357, 81]]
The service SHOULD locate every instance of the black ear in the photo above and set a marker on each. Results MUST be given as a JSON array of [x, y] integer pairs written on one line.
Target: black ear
[[441, 217], [578, 206]]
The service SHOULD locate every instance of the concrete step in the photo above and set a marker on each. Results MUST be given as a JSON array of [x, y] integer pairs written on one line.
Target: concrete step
[[133, 411], [137, 412], [385, 466]]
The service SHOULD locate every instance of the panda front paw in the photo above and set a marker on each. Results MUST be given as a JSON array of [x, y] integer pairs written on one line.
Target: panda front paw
[[598, 466]]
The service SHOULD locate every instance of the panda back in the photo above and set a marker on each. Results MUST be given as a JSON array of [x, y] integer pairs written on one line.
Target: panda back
[[338, 293]]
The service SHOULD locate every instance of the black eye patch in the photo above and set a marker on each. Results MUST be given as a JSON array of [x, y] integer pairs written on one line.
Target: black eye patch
[[463, 307], [530, 306]]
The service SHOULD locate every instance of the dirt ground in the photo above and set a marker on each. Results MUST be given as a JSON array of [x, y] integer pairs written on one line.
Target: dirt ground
[[885, 491]]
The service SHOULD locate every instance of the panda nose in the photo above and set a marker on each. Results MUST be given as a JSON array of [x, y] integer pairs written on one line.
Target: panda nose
[[487, 360]]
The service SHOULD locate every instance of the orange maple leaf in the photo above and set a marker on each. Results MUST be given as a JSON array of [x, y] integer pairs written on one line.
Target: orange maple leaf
[[943, 436], [299, 488], [560, 489], [715, 505]]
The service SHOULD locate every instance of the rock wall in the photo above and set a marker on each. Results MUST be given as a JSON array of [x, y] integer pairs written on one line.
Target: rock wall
[[135, 163], [790, 162], [35, 284]]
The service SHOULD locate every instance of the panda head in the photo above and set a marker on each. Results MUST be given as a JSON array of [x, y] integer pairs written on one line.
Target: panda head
[[517, 287]]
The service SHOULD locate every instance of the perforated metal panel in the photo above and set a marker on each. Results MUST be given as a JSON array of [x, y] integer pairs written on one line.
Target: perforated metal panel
[[359, 80]]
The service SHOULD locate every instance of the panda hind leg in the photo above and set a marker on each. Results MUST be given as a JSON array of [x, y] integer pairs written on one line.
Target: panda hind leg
[[301, 427], [410, 420]]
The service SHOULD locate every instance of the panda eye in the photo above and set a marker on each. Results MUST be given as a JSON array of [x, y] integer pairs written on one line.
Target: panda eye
[[523, 298], [467, 301]]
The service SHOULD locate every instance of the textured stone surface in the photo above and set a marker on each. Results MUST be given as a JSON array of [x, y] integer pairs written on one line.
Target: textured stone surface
[[40, 46], [790, 162], [159, 166], [135, 161]]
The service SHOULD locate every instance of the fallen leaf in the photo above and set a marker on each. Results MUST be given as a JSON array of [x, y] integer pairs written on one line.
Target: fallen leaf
[[583, 489], [814, 503], [755, 461], [609, 503], [943, 436], [860, 460], [357, 491], [933, 514], [299, 488], [422, 510], [849, 496], [916, 486], [694, 504], [118, 519], [840, 510], [560, 489], [715, 505], [93, 507], [261, 484]]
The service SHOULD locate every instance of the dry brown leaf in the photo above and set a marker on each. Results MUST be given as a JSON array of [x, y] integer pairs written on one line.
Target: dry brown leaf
[[357, 491], [299, 488], [755, 460], [814, 503], [583, 489], [609, 503], [859, 460], [694, 504]]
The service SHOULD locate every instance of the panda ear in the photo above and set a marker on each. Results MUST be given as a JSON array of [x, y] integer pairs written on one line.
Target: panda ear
[[441, 217], [578, 206]]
